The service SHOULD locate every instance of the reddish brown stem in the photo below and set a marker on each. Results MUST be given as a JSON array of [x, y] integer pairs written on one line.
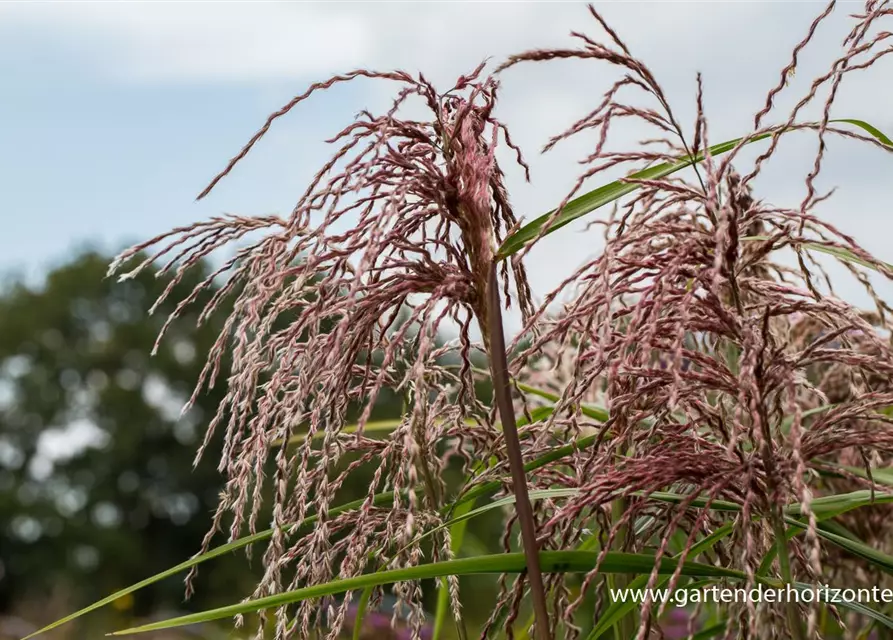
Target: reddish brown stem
[[503, 392]]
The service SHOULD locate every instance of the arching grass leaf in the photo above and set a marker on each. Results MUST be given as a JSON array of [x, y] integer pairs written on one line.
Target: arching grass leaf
[[380, 499], [362, 606], [622, 608], [580, 206], [551, 562], [838, 252], [457, 536], [852, 605]]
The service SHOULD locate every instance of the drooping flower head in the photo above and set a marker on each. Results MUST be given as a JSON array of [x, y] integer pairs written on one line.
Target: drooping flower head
[[686, 328], [393, 238]]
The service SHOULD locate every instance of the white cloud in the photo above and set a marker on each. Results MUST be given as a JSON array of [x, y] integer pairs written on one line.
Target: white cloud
[[238, 41], [187, 41]]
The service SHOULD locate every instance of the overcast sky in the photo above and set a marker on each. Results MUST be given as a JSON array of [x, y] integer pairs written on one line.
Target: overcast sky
[[114, 116]]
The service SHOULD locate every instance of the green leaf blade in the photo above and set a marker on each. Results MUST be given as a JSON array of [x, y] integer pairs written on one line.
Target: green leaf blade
[[551, 561], [588, 202]]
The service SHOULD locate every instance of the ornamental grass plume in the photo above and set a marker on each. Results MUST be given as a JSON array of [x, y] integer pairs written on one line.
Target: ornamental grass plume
[[693, 336], [728, 375], [404, 219]]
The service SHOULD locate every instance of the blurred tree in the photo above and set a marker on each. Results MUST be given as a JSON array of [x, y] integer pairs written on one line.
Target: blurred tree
[[97, 488]]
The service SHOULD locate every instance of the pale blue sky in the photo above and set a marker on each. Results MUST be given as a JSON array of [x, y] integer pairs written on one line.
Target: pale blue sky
[[114, 116]]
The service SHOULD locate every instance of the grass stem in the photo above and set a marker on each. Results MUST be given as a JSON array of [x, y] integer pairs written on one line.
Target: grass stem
[[503, 393]]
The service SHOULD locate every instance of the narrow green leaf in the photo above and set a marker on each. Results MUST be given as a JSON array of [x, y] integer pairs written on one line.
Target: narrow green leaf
[[830, 506], [590, 543], [823, 507], [557, 453], [460, 518], [542, 494], [697, 503], [457, 535], [374, 426], [852, 605], [848, 543], [551, 561], [839, 529], [789, 421], [362, 605], [867, 127], [537, 414], [580, 206], [859, 549], [834, 503], [846, 255], [710, 632], [622, 608], [838, 252], [589, 410], [379, 499], [183, 566], [882, 476]]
